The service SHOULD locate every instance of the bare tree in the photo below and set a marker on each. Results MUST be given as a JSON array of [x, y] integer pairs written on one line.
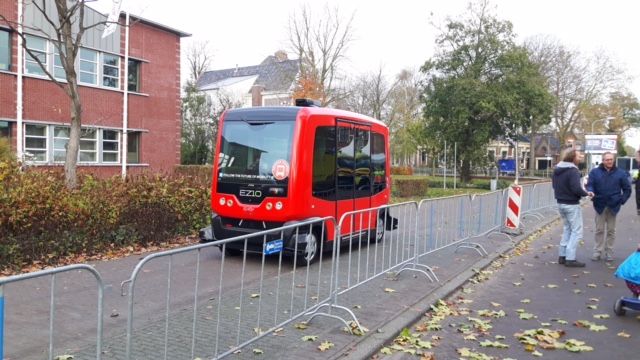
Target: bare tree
[[199, 129], [396, 102], [369, 94], [68, 25], [575, 79], [321, 42], [404, 115], [199, 57]]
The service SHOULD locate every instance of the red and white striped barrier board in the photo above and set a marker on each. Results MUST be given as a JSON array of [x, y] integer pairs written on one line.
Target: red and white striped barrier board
[[513, 206]]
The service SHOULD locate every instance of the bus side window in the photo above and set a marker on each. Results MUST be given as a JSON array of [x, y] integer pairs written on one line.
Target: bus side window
[[363, 163], [378, 163], [346, 162], [324, 163]]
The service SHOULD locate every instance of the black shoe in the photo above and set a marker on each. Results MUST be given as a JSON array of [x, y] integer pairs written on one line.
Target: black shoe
[[573, 263], [561, 260]]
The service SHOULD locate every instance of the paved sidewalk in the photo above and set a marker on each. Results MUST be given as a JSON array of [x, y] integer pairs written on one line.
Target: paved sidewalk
[[535, 292]]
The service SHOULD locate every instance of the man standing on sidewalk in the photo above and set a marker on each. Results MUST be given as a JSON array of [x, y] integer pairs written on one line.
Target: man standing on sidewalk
[[568, 192], [612, 190]]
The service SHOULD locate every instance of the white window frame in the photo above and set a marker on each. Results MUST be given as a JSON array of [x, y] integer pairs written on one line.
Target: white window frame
[[106, 66], [90, 137], [104, 141], [41, 154], [93, 145], [58, 70], [30, 63], [88, 66], [60, 153]]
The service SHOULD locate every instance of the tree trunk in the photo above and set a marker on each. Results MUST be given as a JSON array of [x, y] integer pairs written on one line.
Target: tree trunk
[[532, 148], [465, 176], [73, 146]]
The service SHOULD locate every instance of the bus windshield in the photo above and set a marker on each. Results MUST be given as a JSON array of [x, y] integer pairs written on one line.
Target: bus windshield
[[256, 152]]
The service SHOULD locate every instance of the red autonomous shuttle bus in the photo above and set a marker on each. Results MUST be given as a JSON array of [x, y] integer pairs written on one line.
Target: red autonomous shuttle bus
[[276, 166]]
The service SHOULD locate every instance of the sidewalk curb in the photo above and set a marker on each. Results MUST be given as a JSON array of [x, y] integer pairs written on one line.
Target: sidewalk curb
[[370, 345]]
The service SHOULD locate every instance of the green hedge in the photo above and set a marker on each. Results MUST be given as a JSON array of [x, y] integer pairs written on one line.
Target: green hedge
[[41, 221], [476, 184], [410, 187], [401, 170]]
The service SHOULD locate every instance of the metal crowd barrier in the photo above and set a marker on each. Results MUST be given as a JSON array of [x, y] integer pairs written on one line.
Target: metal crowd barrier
[[54, 308], [365, 258], [540, 198], [226, 307], [240, 309]]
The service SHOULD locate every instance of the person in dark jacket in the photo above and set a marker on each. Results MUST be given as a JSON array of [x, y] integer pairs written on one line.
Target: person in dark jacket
[[612, 190], [637, 183], [568, 191]]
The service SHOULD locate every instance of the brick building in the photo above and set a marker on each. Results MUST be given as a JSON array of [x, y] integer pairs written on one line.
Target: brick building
[[152, 88]]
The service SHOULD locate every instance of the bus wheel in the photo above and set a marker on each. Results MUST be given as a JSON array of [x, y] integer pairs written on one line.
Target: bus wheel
[[311, 251], [378, 234]]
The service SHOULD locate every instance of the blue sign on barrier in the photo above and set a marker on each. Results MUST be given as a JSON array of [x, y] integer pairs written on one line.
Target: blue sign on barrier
[[273, 247]]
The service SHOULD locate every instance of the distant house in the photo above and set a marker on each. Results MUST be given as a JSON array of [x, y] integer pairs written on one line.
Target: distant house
[[270, 83], [502, 148], [548, 149], [35, 112]]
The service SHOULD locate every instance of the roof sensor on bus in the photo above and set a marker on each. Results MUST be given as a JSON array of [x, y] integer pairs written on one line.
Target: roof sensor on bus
[[308, 103]]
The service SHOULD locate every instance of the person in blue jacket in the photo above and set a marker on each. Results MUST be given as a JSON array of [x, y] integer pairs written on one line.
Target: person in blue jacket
[[568, 191], [611, 189]]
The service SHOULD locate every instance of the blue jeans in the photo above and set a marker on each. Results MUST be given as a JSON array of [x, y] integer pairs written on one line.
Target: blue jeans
[[572, 233]]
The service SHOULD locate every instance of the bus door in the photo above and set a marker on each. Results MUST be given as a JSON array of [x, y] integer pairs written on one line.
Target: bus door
[[345, 171], [362, 178], [353, 169]]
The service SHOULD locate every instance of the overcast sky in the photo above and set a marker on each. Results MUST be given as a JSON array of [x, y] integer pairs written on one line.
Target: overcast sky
[[395, 34]]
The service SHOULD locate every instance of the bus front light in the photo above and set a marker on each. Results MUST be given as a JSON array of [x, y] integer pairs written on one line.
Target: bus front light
[[222, 201], [269, 206], [279, 205], [229, 202]]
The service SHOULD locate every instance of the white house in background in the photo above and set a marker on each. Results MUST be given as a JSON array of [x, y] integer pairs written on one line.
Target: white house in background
[[271, 83]]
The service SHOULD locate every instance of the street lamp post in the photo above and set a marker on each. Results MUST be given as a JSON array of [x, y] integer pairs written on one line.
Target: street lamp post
[[592, 133]]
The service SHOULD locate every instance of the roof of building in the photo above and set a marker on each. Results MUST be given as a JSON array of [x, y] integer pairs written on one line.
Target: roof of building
[[142, 20], [275, 74], [554, 143], [521, 139]]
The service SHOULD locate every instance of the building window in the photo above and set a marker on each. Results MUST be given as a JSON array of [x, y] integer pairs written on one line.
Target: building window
[[38, 47], [88, 67], [35, 141], [110, 146], [5, 129], [504, 154], [110, 71], [58, 70], [133, 79], [5, 50], [133, 148], [60, 140], [90, 152], [88, 146]]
